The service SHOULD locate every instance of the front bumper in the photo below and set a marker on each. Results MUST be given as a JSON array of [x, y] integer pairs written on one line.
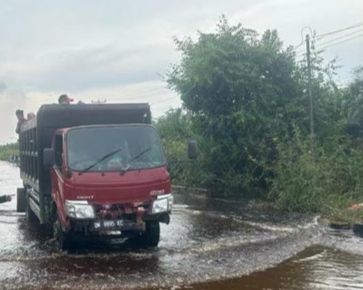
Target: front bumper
[[117, 218], [115, 227]]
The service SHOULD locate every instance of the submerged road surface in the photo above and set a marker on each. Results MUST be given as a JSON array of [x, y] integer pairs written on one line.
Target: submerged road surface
[[209, 244]]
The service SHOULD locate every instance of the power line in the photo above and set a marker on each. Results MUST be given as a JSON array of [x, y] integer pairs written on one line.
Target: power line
[[321, 36], [302, 37], [340, 42], [340, 37], [297, 46], [301, 52], [337, 31], [142, 96], [158, 102]]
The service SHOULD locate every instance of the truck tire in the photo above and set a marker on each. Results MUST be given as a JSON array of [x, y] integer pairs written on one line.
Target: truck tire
[[62, 238], [150, 238], [20, 200], [30, 215]]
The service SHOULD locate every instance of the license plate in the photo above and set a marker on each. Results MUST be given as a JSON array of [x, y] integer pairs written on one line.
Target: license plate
[[108, 224]]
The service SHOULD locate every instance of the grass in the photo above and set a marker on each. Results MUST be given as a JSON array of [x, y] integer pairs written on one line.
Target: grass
[[327, 183], [338, 210], [8, 150]]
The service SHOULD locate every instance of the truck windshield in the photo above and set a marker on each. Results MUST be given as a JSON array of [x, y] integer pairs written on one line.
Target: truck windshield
[[114, 148]]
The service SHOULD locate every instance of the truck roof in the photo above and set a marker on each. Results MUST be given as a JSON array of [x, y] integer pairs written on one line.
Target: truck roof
[[64, 116]]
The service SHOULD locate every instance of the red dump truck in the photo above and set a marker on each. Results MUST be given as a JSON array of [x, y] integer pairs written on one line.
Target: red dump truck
[[95, 171]]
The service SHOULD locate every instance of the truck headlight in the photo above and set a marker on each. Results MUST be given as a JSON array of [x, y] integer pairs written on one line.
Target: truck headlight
[[79, 210], [163, 203]]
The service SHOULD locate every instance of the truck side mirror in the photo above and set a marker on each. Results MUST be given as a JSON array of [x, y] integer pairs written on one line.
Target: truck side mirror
[[48, 157], [192, 149]]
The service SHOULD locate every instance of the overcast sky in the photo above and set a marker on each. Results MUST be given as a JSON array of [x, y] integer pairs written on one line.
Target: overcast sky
[[117, 50]]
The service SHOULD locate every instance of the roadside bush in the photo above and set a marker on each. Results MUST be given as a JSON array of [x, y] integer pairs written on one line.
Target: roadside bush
[[324, 181], [8, 150], [175, 131]]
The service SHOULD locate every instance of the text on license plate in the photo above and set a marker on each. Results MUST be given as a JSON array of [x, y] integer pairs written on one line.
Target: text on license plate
[[108, 224]]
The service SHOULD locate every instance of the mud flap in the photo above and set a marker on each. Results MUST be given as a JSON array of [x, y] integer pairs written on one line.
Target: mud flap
[[20, 200]]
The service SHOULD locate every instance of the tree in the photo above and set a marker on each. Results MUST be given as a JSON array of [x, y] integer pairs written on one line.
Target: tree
[[175, 129], [243, 93]]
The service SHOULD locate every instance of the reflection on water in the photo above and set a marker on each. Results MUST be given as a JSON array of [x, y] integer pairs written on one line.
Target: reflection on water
[[230, 243], [314, 268]]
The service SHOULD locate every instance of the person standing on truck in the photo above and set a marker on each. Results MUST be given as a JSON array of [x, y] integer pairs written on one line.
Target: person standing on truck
[[30, 116], [64, 100], [5, 198], [20, 115]]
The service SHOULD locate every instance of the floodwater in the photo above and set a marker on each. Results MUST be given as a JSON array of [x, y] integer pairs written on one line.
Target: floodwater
[[209, 244]]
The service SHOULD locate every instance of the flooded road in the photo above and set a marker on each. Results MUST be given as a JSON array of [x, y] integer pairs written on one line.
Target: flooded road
[[209, 244]]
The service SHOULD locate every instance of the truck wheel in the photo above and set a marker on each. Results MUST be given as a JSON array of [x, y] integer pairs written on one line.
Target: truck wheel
[[150, 238], [63, 240], [20, 200], [30, 215]]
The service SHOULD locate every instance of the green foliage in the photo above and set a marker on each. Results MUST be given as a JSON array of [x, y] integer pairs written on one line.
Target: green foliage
[[315, 182], [245, 101], [353, 100], [243, 94], [174, 129], [8, 150], [174, 125], [234, 71]]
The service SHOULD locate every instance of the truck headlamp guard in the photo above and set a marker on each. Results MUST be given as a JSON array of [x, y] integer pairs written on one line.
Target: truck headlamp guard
[[79, 209], [163, 203]]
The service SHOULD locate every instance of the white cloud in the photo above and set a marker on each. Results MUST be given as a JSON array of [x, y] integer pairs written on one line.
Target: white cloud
[[116, 50]]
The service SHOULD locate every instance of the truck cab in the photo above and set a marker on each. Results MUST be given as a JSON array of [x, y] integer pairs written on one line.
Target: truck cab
[[96, 171]]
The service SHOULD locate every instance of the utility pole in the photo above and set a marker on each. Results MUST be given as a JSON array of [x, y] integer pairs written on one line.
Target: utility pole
[[309, 90]]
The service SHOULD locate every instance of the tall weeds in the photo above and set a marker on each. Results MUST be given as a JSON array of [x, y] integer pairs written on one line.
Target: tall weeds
[[8, 150], [326, 182]]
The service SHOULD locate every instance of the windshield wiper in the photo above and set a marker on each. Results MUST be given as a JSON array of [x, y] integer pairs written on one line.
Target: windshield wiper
[[134, 159], [98, 161]]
